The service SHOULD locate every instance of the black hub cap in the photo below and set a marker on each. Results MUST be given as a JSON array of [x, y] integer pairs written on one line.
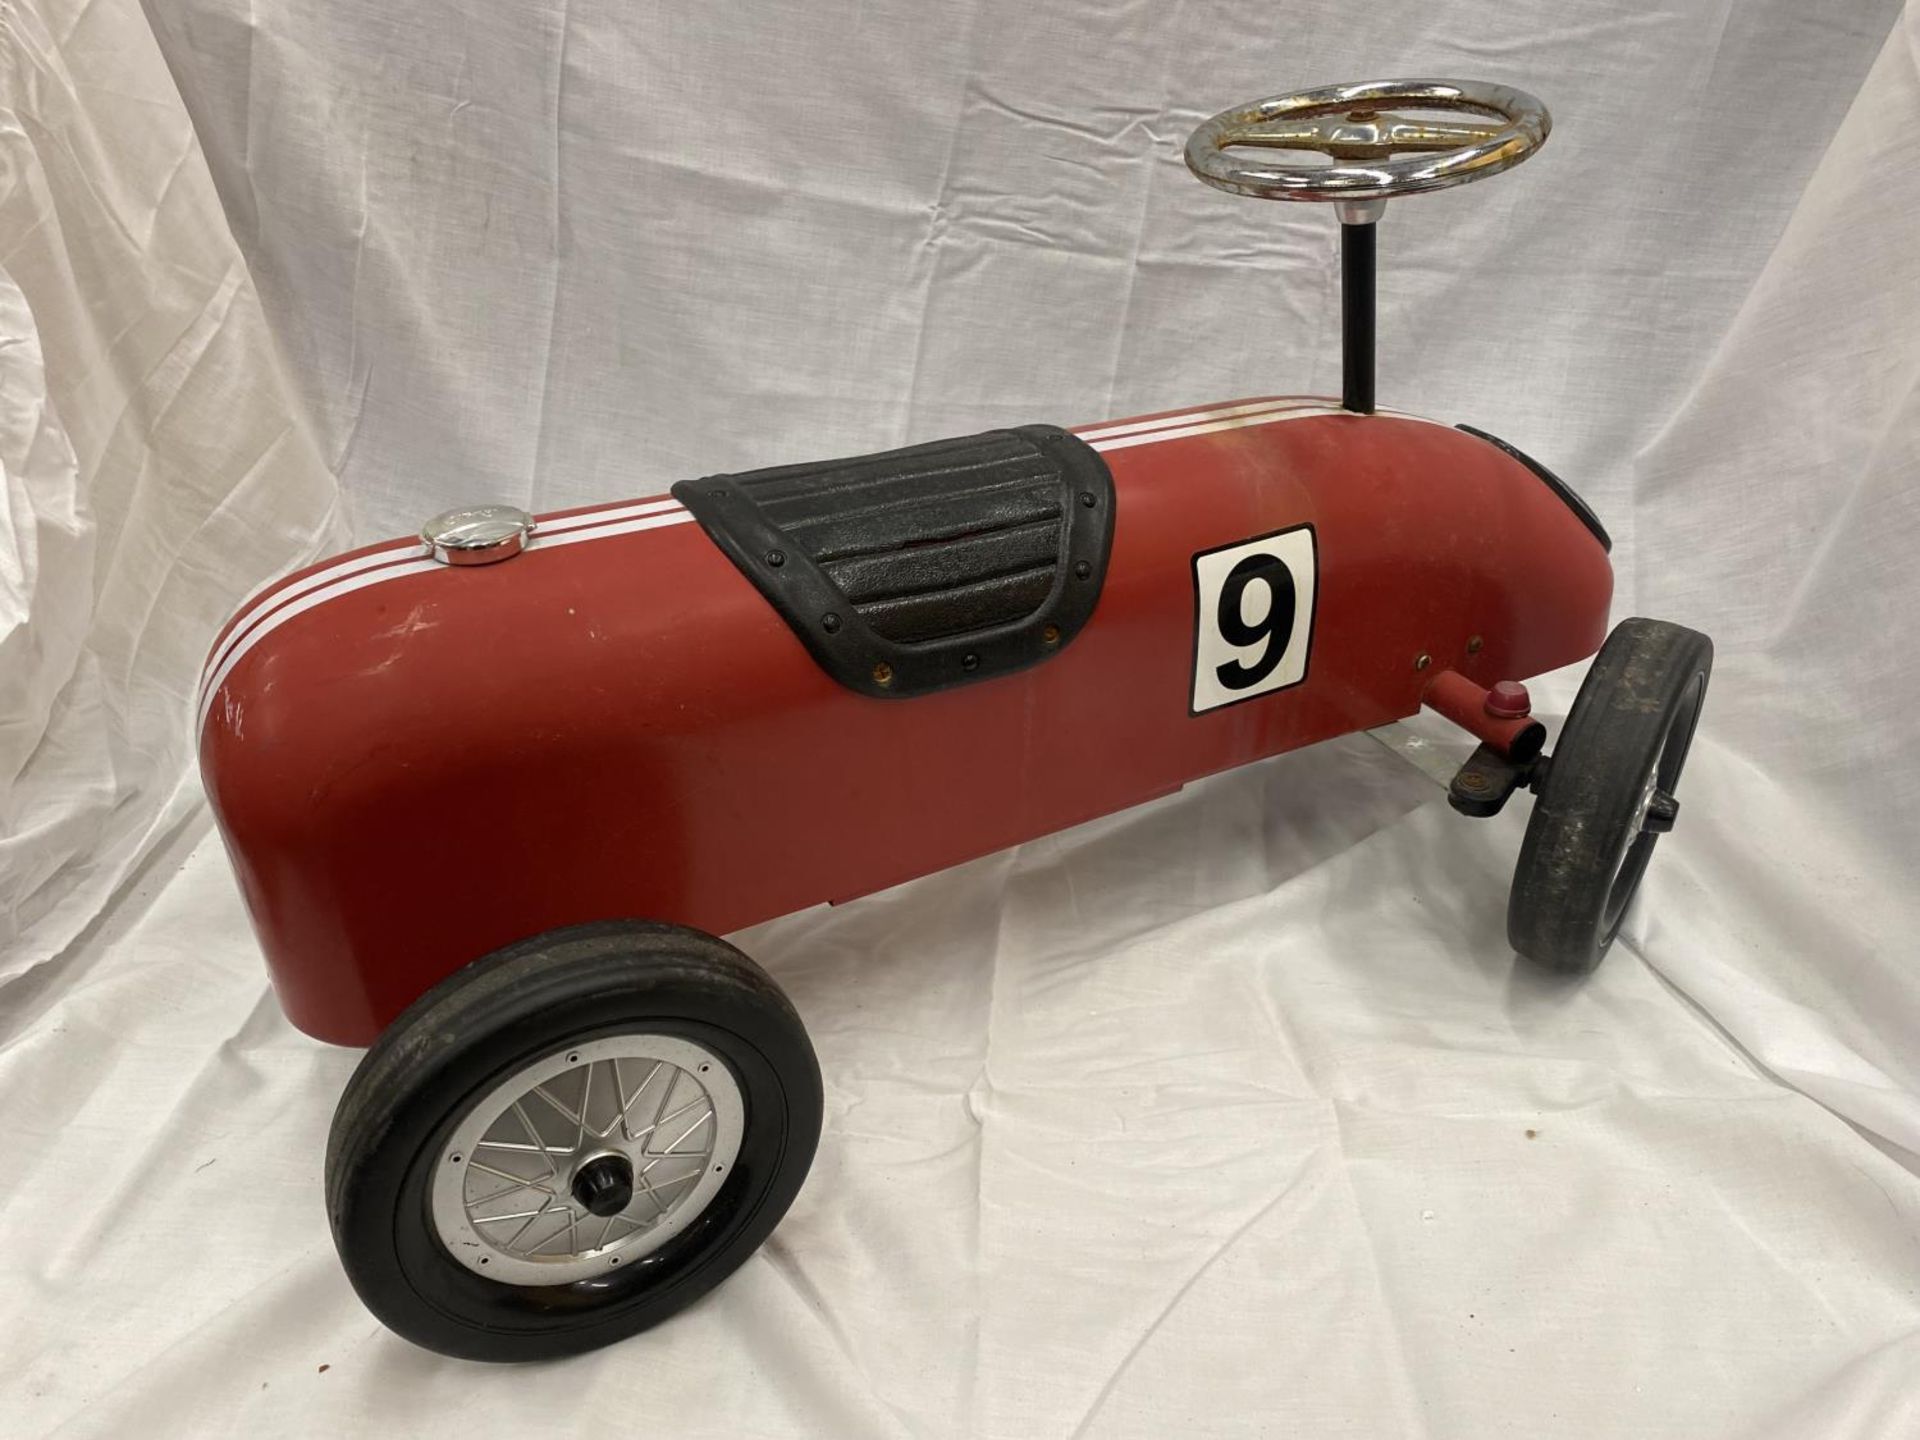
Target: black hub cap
[[605, 1186]]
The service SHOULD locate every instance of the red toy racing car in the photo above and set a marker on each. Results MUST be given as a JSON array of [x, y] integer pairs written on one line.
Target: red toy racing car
[[606, 736]]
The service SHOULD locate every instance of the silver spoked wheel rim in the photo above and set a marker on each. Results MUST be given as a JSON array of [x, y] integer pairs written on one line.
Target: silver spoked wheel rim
[[513, 1195]]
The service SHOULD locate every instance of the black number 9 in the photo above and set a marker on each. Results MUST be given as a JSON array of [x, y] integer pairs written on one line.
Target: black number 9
[[1274, 628]]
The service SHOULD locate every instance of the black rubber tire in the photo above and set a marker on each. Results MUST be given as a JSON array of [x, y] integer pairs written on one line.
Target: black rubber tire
[[1583, 859], [473, 1029]]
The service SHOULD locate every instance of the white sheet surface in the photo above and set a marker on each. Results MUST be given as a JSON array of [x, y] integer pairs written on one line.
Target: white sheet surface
[[1229, 1115]]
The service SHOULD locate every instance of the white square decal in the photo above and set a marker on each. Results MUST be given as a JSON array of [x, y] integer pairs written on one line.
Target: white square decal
[[1253, 624]]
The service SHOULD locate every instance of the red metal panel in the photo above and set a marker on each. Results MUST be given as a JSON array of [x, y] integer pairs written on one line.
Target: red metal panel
[[413, 773]]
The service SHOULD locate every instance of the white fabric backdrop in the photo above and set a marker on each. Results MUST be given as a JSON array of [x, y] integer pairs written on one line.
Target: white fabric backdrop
[[1227, 1115]]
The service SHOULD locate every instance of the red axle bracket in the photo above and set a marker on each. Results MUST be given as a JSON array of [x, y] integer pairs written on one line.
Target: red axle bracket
[[1499, 718]]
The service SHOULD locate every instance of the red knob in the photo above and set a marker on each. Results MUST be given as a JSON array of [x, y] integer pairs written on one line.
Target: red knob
[[1508, 700]]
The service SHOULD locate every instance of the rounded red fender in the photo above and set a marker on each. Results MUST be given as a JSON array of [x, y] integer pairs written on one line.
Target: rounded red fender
[[414, 764]]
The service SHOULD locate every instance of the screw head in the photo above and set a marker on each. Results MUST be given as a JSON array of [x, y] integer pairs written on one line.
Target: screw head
[[1086, 499], [830, 622], [1050, 635], [776, 558], [1475, 644], [1082, 570], [969, 661], [883, 674], [1422, 661]]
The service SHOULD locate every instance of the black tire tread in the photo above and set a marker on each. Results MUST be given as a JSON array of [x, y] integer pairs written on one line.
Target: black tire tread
[[1616, 729], [622, 963]]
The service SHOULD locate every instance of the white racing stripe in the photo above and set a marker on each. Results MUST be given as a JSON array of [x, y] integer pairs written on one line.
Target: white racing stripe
[[350, 575], [1193, 417], [1210, 427], [417, 566], [252, 610], [392, 566], [1297, 410], [664, 505], [546, 540]]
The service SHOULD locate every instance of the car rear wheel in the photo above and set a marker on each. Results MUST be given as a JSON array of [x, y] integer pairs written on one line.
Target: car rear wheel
[[570, 1140], [1608, 793]]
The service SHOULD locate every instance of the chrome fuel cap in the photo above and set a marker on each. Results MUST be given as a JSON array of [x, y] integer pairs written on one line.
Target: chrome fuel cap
[[477, 535]]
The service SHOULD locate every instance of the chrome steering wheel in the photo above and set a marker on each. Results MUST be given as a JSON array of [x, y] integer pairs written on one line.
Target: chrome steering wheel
[[1349, 125]]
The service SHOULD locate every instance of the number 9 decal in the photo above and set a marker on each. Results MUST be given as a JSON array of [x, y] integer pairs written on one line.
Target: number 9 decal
[[1253, 618]]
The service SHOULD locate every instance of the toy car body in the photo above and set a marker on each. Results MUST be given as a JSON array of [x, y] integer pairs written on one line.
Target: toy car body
[[616, 723], [492, 794]]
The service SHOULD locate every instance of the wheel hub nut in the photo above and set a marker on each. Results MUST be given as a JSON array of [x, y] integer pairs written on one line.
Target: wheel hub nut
[[605, 1185], [1662, 811]]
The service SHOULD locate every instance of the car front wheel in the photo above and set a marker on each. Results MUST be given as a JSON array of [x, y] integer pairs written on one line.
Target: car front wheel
[[1608, 793]]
